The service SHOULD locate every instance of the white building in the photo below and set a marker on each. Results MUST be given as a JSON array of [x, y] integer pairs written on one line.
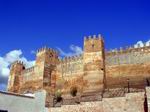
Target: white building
[[11, 102]]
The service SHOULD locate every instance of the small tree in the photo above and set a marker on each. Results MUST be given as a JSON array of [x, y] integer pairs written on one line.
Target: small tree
[[58, 95], [73, 91]]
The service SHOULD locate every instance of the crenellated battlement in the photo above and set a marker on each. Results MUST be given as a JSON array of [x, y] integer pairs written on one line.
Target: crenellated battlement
[[128, 55], [127, 50], [18, 62], [93, 37], [31, 69], [71, 65], [44, 49], [71, 58]]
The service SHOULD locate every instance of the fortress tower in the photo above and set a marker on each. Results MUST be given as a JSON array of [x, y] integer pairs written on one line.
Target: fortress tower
[[41, 76], [94, 67], [46, 62], [14, 81]]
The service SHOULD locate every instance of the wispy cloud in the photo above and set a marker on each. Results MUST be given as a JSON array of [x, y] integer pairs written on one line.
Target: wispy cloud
[[74, 50], [139, 44], [5, 62], [33, 52], [142, 44]]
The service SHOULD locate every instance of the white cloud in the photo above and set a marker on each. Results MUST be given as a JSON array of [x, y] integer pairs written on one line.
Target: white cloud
[[142, 44], [74, 50], [5, 72], [27, 63], [148, 43], [6, 61], [139, 44], [13, 56], [3, 63]]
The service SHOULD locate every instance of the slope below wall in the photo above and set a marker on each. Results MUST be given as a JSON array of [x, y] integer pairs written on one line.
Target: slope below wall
[[132, 102]]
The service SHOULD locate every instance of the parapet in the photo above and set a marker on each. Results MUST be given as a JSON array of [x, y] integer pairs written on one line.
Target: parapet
[[43, 49], [127, 49], [18, 62], [28, 70], [95, 37], [71, 58]]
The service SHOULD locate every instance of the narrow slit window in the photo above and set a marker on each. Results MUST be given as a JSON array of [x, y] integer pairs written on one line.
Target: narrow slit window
[[93, 45]]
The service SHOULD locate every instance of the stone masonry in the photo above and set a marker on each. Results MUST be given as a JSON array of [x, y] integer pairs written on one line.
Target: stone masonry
[[94, 74], [132, 102]]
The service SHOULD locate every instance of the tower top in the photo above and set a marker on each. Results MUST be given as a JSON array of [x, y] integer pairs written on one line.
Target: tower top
[[99, 36], [46, 49], [18, 62], [93, 43]]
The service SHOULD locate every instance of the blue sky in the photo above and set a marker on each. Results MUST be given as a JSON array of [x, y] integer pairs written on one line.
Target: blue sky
[[30, 24]]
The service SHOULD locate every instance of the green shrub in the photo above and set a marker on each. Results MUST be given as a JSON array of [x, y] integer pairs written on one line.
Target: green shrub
[[58, 95]]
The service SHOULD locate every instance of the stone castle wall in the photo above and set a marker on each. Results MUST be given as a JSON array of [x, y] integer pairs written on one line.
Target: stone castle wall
[[128, 56], [30, 81], [69, 73], [91, 73], [131, 102], [131, 65], [28, 75], [70, 66]]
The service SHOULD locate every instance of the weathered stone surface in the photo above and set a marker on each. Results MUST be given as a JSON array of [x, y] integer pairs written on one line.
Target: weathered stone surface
[[117, 76], [132, 102], [92, 72]]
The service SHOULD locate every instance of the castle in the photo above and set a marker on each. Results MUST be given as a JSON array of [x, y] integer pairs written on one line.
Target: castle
[[95, 74]]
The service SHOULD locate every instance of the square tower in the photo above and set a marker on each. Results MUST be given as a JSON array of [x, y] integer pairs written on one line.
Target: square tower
[[94, 67], [14, 80], [46, 61]]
